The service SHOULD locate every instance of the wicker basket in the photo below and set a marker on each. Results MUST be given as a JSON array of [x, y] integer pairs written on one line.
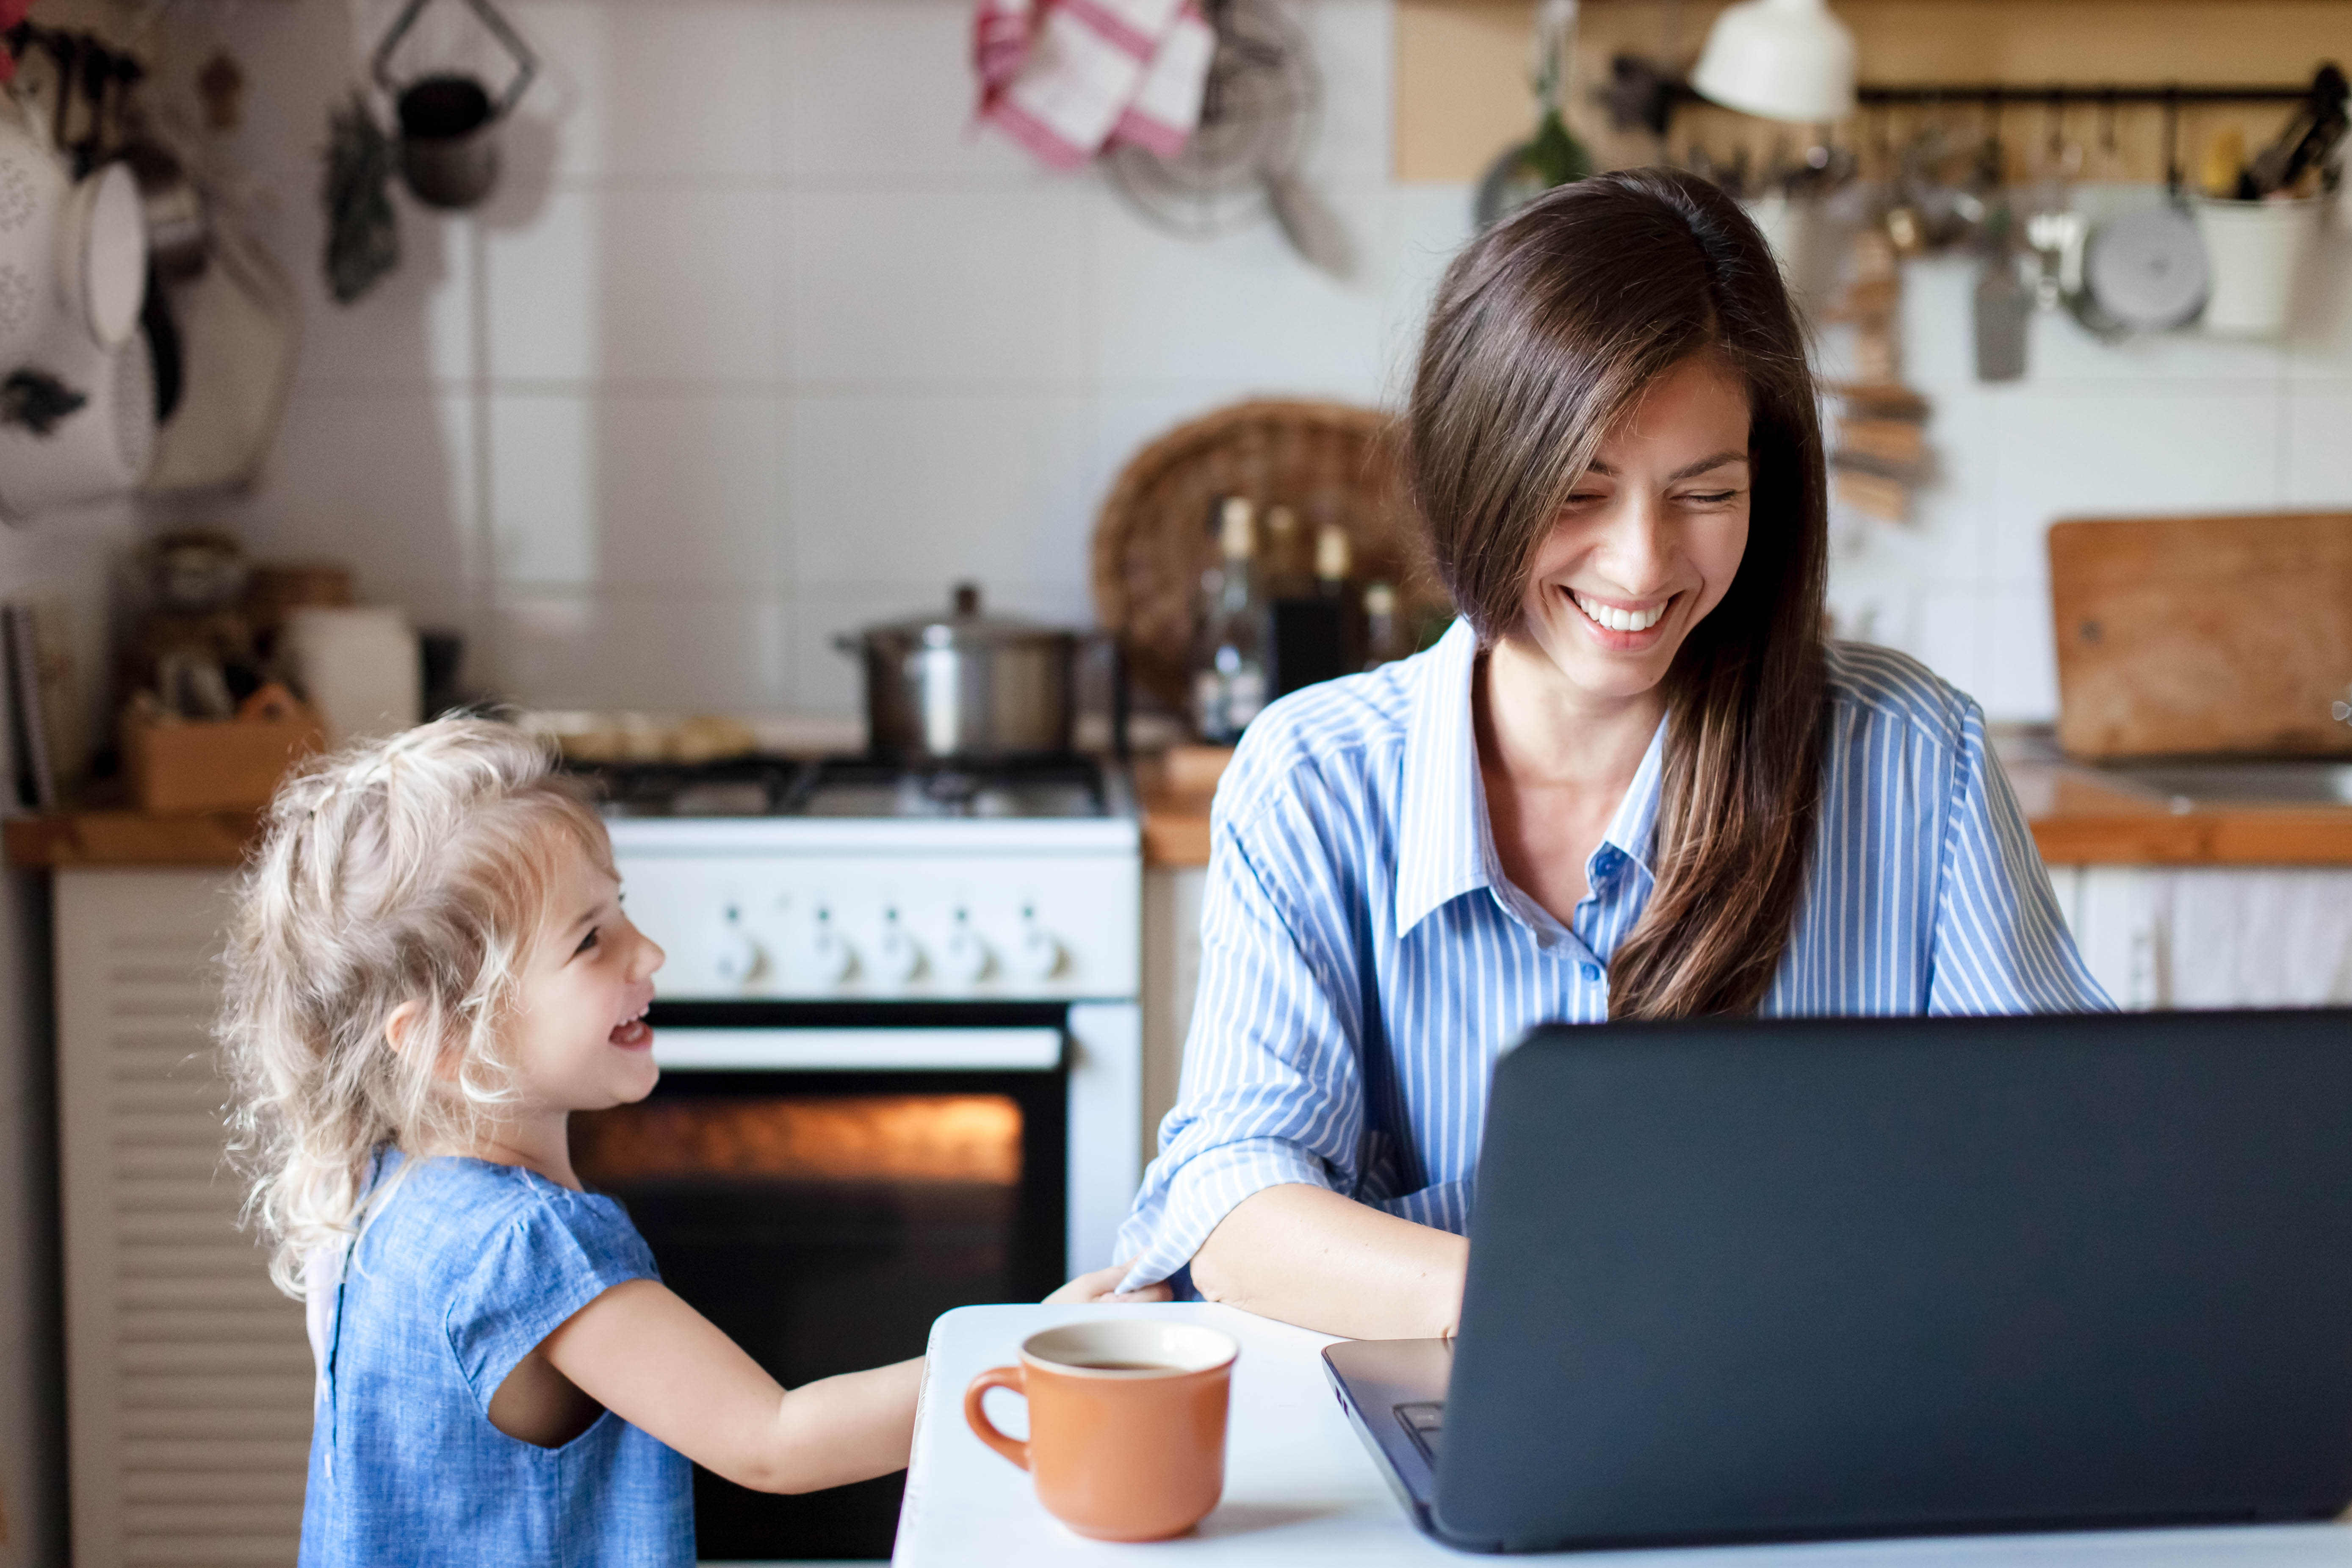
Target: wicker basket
[[1329, 462]]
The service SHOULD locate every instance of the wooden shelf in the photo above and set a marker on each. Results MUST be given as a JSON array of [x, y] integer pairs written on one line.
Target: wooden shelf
[[1462, 93]]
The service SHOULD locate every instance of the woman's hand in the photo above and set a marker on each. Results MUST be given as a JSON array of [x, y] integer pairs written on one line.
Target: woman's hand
[[1102, 1286]]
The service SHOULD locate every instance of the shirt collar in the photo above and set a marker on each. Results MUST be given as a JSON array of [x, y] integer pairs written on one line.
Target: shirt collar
[[1444, 846]]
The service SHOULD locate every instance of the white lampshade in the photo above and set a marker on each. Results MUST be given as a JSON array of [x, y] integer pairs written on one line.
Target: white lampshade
[[1783, 59]]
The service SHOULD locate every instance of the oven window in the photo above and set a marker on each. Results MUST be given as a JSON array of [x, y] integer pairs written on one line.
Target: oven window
[[824, 1221], [954, 1138]]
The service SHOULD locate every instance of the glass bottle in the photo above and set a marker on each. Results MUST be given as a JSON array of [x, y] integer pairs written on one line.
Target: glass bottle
[[1229, 672], [1384, 631], [1335, 562], [1282, 561]]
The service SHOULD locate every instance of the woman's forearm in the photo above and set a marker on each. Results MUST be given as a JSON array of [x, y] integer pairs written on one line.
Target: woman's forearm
[[1307, 1256]]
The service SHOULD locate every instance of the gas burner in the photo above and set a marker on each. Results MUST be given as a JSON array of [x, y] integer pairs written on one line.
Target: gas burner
[[739, 786], [859, 788], [1029, 787], [952, 791]]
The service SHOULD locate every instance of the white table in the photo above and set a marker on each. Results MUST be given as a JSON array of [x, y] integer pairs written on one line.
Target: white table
[[1300, 1490]]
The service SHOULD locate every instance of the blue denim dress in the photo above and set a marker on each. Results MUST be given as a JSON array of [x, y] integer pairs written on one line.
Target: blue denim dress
[[462, 1271]]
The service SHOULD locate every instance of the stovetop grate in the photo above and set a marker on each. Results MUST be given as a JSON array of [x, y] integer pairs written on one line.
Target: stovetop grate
[[851, 787]]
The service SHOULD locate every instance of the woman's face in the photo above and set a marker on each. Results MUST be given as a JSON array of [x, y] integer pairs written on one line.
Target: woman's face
[[1650, 538]]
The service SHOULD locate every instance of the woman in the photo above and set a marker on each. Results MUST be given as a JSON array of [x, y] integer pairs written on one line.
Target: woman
[[1629, 782]]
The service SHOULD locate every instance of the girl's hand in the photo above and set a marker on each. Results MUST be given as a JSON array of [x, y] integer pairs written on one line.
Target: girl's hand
[[1102, 1286]]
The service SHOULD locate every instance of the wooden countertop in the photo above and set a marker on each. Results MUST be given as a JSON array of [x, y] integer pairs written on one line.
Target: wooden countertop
[[118, 837], [2078, 818]]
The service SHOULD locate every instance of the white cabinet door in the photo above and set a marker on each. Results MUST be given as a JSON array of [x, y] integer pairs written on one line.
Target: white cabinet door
[[2212, 936], [1171, 973], [187, 1375]]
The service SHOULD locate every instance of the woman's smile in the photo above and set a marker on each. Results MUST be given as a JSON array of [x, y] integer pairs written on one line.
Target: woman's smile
[[1623, 625]]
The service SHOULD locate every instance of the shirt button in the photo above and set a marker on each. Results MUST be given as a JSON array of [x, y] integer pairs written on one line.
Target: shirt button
[[1592, 971]]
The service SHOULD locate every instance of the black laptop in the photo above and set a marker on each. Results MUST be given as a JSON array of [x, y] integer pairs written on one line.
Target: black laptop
[[1813, 1279]]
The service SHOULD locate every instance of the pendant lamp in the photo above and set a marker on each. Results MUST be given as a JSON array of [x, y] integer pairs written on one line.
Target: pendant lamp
[[1780, 59]]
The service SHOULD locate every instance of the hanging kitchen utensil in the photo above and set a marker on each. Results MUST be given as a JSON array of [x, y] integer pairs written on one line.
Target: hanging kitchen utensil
[[1552, 156], [449, 122], [2003, 302], [2144, 272], [100, 448], [33, 187], [362, 233], [2147, 271], [1259, 110], [240, 320]]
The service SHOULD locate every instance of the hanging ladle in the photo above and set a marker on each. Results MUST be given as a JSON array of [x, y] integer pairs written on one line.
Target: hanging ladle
[[448, 122]]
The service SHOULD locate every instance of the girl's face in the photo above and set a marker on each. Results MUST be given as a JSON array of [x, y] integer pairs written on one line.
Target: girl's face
[[1650, 538], [580, 1040]]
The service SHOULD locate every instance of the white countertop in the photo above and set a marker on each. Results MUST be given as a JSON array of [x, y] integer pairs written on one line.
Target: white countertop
[[1300, 1490]]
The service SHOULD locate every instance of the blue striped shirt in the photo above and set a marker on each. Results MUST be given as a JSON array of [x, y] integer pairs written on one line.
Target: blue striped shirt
[[1364, 960]]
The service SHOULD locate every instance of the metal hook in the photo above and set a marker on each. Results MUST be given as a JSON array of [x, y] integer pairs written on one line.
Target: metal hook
[[2172, 138], [498, 27]]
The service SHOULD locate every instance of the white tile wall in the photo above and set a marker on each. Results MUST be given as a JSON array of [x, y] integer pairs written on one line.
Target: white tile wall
[[2176, 423], [761, 338]]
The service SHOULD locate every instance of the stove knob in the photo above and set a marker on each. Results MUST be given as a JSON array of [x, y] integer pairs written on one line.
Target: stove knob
[[1037, 954], [833, 958], [898, 959], [965, 958], [735, 957]]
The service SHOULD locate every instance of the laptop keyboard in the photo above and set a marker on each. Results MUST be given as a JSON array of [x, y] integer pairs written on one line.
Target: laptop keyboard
[[1426, 1422]]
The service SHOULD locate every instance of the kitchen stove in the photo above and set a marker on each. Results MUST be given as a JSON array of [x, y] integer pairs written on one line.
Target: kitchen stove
[[901, 1046], [863, 787]]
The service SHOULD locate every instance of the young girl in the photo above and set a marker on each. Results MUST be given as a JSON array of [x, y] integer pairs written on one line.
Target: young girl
[[429, 970]]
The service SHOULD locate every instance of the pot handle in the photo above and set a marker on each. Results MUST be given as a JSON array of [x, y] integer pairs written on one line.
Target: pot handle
[[525, 62]]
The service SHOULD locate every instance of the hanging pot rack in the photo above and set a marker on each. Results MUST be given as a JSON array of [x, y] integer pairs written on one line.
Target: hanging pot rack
[[1645, 96]]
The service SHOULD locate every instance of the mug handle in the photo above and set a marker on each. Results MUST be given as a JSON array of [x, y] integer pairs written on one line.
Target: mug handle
[[981, 1426]]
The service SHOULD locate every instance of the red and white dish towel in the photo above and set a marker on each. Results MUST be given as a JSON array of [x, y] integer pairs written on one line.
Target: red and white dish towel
[[1067, 77]]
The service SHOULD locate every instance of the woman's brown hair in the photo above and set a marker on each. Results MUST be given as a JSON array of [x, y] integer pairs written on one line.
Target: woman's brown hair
[[1545, 333]]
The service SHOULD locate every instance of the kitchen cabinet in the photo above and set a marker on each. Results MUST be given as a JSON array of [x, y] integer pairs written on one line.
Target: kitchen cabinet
[[1171, 974], [2212, 936], [188, 1376]]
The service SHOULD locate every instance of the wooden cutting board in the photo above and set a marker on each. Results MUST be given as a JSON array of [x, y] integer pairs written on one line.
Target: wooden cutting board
[[2183, 634]]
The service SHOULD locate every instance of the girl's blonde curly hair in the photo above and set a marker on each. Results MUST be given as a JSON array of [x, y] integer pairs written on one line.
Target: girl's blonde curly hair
[[412, 869]]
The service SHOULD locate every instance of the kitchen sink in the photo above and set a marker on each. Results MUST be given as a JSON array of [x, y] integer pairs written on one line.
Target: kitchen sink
[[2284, 782]]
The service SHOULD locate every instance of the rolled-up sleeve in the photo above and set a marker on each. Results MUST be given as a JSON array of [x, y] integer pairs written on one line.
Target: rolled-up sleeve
[[2001, 942], [1271, 1092]]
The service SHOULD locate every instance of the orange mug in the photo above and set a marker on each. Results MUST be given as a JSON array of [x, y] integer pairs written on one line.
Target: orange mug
[[1127, 1423]]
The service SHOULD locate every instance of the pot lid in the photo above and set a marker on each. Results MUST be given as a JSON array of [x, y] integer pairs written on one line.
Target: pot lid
[[964, 624], [2147, 270]]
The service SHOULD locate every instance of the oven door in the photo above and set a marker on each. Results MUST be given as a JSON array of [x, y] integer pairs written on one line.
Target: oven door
[[822, 1183]]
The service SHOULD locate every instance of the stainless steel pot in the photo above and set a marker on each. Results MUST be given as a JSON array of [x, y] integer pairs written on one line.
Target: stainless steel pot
[[967, 686]]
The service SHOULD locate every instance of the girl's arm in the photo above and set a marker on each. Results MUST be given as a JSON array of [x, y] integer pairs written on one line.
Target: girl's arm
[[665, 1368], [1307, 1255]]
